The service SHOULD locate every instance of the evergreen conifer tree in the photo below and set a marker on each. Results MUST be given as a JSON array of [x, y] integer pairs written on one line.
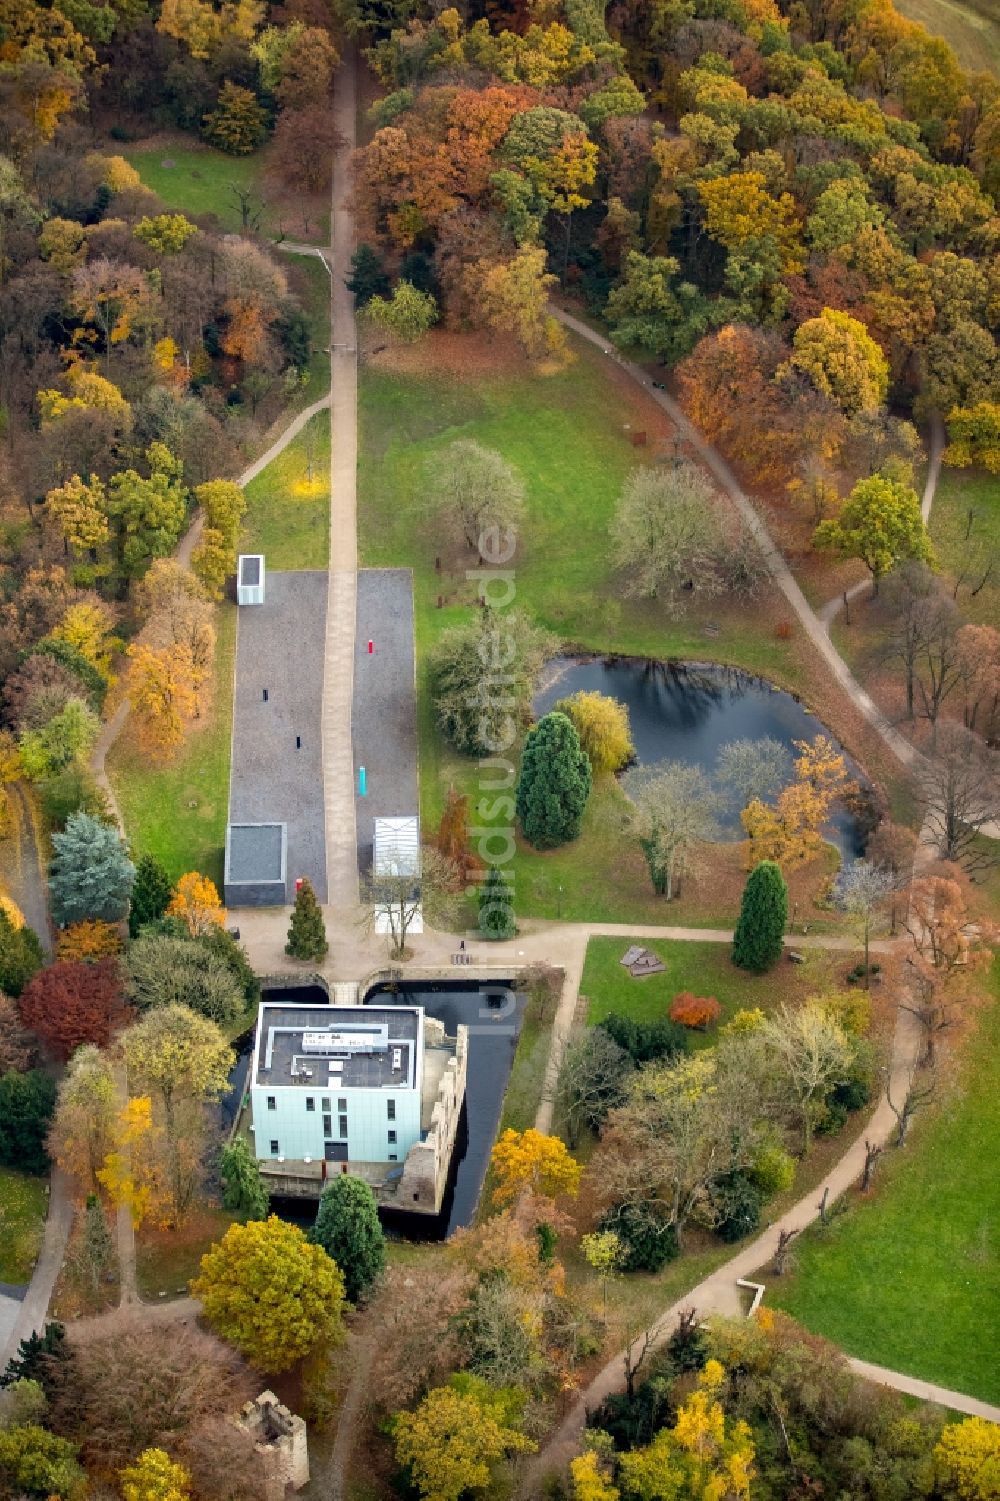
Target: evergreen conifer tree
[[496, 905], [368, 276], [348, 1229], [243, 1191], [554, 783], [151, 893], [307, 931], [91, 874], [20, 956], [763, 915]]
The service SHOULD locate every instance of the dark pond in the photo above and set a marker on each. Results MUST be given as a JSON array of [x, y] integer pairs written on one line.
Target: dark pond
[[493, 1015], [687, 712]]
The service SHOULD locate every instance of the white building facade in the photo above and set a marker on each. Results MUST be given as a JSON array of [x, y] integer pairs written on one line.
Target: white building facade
[[337, 1084]]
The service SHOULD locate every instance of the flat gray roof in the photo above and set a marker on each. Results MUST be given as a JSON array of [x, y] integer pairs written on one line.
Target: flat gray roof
[[255, 852], [250, 568], [280, 1035]]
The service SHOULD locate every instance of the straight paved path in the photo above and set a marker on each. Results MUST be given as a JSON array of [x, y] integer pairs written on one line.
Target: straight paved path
[[384, 719], [338, 684]]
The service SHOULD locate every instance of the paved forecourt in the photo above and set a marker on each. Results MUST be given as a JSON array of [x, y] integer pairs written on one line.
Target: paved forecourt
[[277, 751], [385, 702]]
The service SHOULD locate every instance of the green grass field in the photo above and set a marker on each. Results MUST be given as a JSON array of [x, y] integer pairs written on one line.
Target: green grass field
[[965, 525], [704, 968], [971, 26], [310, 281], [568, 436], [193, 178], [23, 1206], [288, 506], [908, 1278], [178, 811]]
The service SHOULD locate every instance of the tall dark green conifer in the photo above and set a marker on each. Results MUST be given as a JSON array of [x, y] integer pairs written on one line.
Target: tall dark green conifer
[[151, 893], [554, 783], [307, 931], [496, 905], [764, 912]]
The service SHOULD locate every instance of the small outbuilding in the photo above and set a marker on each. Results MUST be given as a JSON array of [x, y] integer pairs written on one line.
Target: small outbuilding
[[256, 864], [250, 579]]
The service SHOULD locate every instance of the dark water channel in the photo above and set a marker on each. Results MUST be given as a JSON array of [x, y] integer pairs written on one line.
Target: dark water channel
[[493, 1015], [689, 711]]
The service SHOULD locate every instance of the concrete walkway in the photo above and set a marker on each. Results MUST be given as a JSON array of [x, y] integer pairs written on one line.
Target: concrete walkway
[[338, 685], [35, 1303], [828, 613]]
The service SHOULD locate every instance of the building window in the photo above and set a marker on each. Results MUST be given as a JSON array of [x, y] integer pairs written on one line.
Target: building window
[[343, 1128], [310, 1102], [272, 1103], [341, 1104], [326, 1102], [393, 1156], [328, 1125], [274, 1149], [390, 1109], [392, 1136]]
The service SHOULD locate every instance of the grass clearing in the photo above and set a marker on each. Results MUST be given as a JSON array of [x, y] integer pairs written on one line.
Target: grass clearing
[[972, 27], [166, 1260], [907, 1278], [288, 506], [965, 524], [24, 1203], [194, 178], [705, 969], [310, 281], [177, 810]]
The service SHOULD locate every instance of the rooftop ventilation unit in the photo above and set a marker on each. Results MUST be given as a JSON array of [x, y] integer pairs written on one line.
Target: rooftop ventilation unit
[[373, 1039]]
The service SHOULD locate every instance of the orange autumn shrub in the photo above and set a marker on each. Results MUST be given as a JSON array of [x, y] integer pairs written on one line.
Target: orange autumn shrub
[[694, 1010]]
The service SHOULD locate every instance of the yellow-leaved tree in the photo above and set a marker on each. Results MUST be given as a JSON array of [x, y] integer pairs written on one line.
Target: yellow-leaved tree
[[155, 1477], [163, 689], [196, 901], [789, 831], [703, 1457], [130, 1173], [271, 1293], [530, 1160], [602, 724], [967, 1460], [451, 1441]]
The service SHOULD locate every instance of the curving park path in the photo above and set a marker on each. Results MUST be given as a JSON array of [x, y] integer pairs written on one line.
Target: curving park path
[[779, 569]]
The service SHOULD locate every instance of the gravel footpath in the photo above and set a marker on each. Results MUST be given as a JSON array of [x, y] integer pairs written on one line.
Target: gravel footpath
[[280, 648], [385, 702]]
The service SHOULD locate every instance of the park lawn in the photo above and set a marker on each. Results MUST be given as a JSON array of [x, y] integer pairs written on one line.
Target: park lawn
[[288, 505], [704, 968], [907, 1279], [310, 281], [972, 27], [968, 502], [166, 1260], [201, 180], [177, 810], [24, 1203]]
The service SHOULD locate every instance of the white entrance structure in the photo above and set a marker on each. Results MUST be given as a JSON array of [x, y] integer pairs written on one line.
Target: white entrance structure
[[250, 579], [396, 852]]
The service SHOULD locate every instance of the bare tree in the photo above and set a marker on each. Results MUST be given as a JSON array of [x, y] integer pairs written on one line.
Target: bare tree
[[863, 893], [873, 1151], [750, 769], [960, 790], [785, 1238], [593, 1080], [917, 1095], [475, 489], [666, 537], [400, 892], [676, 808], [912, 595], [939, 668], [811, 1054], [893, 846]]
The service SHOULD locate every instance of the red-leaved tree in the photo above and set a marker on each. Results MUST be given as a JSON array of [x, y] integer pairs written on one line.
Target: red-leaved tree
[[71, 1003], [694, 1010]]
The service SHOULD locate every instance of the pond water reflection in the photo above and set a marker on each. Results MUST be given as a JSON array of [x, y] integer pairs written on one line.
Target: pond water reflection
[[687, 711]]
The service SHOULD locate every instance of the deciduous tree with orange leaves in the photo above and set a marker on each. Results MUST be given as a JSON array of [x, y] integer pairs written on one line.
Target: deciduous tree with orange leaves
[[197, 902]]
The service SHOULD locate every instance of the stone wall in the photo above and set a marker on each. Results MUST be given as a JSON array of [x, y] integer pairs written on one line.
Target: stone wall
[[425, 1171]]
